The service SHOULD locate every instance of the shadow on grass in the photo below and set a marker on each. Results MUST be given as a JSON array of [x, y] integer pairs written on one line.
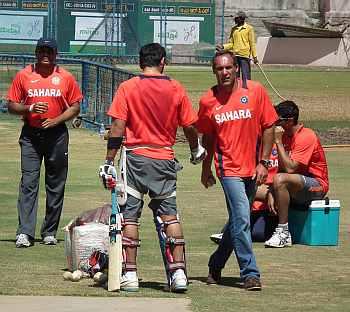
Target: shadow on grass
[[225, 281], [37, 240], [153, 285]]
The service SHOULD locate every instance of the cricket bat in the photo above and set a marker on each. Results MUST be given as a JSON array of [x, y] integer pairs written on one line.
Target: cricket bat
[[115, 257]]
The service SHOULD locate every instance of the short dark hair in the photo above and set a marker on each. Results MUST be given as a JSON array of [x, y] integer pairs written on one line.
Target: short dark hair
[[241, 14], [151, 55], [219, 53], [288, 109]]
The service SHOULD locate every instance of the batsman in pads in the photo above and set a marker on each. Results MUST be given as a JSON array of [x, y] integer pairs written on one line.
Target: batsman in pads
[[146, 111]]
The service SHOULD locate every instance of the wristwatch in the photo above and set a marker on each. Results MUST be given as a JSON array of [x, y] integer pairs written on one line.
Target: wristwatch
[[109, 162], [265, 163]]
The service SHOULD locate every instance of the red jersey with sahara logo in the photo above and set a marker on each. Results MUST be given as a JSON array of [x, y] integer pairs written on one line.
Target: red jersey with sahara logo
[[153, 108], [60, 90], [273, 169], [236, 122], [305, 148]]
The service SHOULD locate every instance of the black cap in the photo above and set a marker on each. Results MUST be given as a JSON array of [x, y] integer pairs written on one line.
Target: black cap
[[47, 42], [241, 14]]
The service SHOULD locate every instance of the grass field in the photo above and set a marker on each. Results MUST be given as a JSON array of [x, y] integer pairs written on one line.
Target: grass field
[[321, 93], [301, 278]]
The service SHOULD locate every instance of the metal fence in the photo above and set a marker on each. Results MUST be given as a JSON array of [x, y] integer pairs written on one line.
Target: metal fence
[[97, 81]]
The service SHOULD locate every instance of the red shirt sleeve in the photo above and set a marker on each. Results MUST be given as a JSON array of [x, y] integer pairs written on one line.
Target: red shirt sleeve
[[119, 107], [16, 92], [268, 113], [204, 123], [187, 115], [303, 148]]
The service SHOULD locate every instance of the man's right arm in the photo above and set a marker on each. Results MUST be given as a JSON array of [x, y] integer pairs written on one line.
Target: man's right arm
[[229, 45], [207, 177], [198, 153], [18, 108], [286, 164], [21, 109], [117, 131], [107, 171]]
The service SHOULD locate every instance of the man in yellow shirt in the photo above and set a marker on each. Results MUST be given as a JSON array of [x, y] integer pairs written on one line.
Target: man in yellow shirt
[[242, 44]]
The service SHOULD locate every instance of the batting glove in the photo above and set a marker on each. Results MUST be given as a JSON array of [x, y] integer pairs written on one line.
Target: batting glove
[[108, 174], [198, 154]]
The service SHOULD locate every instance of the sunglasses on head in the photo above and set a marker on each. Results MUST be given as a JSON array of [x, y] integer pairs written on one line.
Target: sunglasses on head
[[281, 119]]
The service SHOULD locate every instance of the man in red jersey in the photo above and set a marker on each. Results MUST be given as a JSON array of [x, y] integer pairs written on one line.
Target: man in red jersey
[[303, 172], [148, 109], [46, 96], [232, 116]]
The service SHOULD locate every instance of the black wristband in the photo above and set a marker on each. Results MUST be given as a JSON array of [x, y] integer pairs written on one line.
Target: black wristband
[[114, 142]]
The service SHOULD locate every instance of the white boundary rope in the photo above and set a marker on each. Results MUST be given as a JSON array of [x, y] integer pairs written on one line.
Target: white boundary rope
[[270, 84]]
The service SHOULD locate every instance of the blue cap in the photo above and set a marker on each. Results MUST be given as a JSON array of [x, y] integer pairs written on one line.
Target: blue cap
[[47, 42]]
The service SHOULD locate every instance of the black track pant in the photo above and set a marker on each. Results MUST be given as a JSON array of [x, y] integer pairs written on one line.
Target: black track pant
[[36, 145], [243, 67]]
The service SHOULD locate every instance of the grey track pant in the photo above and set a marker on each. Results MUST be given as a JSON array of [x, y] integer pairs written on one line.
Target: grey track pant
[[36, 145]]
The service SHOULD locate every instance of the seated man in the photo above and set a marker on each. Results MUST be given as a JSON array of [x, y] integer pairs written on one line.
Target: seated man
[[303, 173], [263, 217]]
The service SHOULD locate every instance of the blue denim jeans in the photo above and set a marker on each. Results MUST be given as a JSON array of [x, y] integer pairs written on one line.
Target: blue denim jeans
[[239, 193]]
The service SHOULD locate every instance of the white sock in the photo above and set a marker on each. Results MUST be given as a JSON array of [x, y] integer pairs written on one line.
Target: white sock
[[283, 226], [131, 275]]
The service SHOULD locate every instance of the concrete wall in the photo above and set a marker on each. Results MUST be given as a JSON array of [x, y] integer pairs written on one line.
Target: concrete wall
[[304, 51], [339, 11], [288, 11], [340, 5]]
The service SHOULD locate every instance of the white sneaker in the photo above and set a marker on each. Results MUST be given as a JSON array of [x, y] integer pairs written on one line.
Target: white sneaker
[[279, 239], [216, 238], [178, 281], [23, 241], [49, 240], [129, 282]]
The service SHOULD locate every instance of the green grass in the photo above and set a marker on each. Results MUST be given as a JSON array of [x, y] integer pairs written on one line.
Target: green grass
[[301, 278], [322, 94]]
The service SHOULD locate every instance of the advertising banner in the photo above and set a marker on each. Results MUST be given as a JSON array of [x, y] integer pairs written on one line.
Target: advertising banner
[[177, 32], [97, 29], [21, 27]]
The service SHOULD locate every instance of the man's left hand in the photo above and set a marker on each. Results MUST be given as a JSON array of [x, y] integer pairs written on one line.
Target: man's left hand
[[255, 60], [278, 133], [49, 123], [260, 174]]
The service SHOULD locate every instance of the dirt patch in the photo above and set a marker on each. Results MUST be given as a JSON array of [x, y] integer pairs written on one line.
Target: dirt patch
[[87, 304], [333, 136]]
